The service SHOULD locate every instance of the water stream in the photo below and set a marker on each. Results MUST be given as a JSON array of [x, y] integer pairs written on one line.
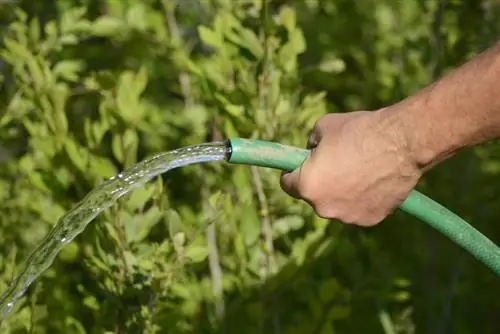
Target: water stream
[[102, 197]]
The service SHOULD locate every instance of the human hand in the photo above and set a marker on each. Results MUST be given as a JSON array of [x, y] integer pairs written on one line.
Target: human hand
[[360, 168]]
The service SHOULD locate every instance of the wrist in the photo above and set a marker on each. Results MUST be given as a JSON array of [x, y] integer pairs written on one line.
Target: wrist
[[424, 139], [460, 110]]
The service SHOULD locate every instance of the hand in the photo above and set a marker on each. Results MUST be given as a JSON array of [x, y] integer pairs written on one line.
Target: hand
[[359, 171]]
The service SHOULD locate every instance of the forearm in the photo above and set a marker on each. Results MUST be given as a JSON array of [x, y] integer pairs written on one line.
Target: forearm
[[460, 110]]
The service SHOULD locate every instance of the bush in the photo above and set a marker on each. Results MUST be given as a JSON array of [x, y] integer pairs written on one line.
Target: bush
[[90, 88]]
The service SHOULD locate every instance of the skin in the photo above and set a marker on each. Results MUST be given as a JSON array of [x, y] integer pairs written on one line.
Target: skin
[[365, 163]]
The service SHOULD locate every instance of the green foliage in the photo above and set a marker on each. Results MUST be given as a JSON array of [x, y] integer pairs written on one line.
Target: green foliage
[[91, 87]]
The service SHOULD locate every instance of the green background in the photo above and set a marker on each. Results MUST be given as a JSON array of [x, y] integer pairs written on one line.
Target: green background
[[90, 87]]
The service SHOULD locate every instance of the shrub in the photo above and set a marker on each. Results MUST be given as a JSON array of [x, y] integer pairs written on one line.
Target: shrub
[[90, 88]]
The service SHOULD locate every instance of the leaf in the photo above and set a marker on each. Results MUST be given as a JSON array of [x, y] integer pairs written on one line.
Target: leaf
[[215, 199], [236, 111], [250, 40], [140, 196], [328, 290], [288, 18], [210, 37], [284, 225], [401, 296], [72, 19], [141, 81], [38, 181], [179, 240], [92, 303], [20, 14], [173, 221], [249, 224], [44, 144], [59, 97], [68, 69], [130, 258], [298, 41], [239, 248], [50, 30], [78, 155], [68, 40], [402, 282], [34, 30], [98, 263], [186, 64], [41, 75], [130, 87], [196, 253], [274, 89], [129, 223], [70, 252], [332, 65], [99, 129], [17, 49], [229, 129], [147, 222], [102, 167], [117, 148], [130, 141], [136, 17], [107, 26]]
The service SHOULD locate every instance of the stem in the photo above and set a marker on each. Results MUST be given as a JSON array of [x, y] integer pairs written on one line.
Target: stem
[[438, 38], [175, 34], [216, 273], [210, 233], [213, 253], [386, 322], [266, 229], [121, 242]]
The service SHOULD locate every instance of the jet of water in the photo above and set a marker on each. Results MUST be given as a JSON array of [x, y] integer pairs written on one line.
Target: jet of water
[[76, 220]]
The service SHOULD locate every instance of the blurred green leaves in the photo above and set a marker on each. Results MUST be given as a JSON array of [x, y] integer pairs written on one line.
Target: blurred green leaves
[[89, 88]]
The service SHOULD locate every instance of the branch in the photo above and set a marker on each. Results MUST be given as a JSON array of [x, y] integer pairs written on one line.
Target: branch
[[213, 253], [266, 229], [438, 38], [215, 272], [175, 34], [263, 105]]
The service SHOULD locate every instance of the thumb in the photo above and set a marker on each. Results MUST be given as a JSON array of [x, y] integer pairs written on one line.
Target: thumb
[[292, 182]]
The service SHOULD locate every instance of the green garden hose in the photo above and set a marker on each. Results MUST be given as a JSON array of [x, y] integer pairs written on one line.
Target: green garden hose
[[287, 158]]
